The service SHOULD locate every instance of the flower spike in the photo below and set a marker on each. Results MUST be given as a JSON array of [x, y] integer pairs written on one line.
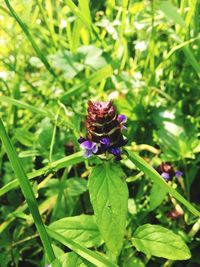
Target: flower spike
[[104, 127]]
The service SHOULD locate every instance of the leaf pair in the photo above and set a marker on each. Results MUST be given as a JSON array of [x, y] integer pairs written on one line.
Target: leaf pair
[[109, 196]]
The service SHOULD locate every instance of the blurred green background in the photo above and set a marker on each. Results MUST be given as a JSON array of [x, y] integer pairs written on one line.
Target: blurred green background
[[57, 55]]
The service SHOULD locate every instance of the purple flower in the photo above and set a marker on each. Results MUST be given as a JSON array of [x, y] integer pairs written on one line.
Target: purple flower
[[178, 174], [116, 152], [104, 130], [165, 175], [89, 147], [105, 143], [121, 118]]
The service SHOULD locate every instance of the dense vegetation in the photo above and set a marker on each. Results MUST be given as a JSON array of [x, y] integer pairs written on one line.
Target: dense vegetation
[[58, 207]]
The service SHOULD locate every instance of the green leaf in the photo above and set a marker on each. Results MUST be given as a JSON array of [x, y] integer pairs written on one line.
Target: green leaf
[[82, 229], [26, 190], [45, 133], [155, 176], [66, 62], [158, 241], [92, 56], [133, 262], [109, 197], [76, 186], [170, 12], [91, 256], [157, 196], [71, 259], [72, 187], [25, 137]]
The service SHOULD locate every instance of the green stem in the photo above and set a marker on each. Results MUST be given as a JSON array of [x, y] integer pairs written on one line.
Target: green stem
[[51, 167], [27, 191], [155, 176], [96, 258], [195, 229]]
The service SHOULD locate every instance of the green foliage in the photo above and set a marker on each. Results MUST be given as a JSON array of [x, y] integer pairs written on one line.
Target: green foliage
[[160, 242], [93, 257], [157, 196], [82, 229], [151, 173], [57, 55], [109, 197]]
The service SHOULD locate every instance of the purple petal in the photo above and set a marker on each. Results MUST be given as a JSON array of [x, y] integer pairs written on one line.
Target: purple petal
[[105, 143], [87, 153], [165, 175], [87, 144], [95, 149], [178, 174], [115, 151], [121, 118]]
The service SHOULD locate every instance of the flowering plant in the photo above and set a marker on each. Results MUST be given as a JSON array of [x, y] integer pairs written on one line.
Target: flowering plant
[[104, 126]]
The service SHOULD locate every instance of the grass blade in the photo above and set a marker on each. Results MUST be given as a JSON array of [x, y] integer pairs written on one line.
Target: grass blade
[[79, 14], [32, 41], [87, 254], [27, 191], [85, 20], [52, 167], [170, 12], [189, 54], [22, 104], [155, 176]]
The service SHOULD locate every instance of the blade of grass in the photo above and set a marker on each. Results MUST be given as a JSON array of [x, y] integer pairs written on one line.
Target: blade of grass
[[155, 176], [78, 25], [191, 12], [51, 167], [27, 191], [170, 12], [174, 49], [44, 17], [79, 14], [189, 54], [87, 254], [49, 10], [85, 20], [32, 41], [22, 104], [10, 66], [43, 207], [92, 80], [11, 217]]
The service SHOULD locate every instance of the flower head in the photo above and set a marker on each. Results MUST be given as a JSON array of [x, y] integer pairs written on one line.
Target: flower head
[[178, 174], [167, 171], [104, 127]]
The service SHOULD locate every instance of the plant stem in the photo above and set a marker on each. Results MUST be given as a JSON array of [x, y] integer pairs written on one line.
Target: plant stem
[[27, 191]]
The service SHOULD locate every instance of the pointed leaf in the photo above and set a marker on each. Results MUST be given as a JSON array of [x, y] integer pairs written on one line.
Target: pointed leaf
[[109, 197], [158, 241], [157, 196], [82, 229]]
